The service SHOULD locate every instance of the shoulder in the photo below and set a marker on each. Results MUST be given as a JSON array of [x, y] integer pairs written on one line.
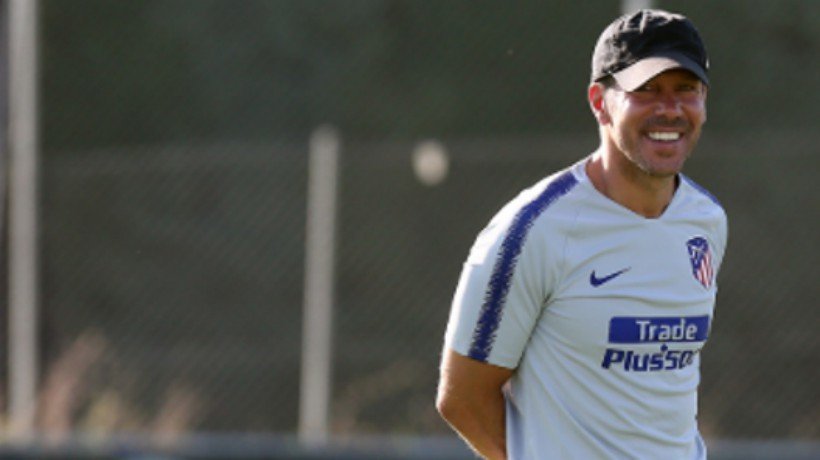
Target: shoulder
[[533, 202], [704, 207], [512, 225], [547, 197], [702, 202], [701, 191]]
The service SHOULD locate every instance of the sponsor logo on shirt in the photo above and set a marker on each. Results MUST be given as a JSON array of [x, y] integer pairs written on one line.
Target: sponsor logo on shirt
[[666, 331]]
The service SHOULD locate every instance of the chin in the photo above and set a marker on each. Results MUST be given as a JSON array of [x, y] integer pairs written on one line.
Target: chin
[[666, 170], [655, 161], [664, 173], [669, 164], [662, 169]]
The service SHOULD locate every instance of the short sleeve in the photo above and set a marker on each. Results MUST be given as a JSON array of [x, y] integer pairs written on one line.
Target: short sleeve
[[501, 292]]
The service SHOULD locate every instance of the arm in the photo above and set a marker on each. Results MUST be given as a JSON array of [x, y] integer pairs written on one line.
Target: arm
[[471, 401]]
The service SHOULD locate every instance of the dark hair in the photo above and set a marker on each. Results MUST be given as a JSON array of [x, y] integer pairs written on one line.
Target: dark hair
[[608, 82]]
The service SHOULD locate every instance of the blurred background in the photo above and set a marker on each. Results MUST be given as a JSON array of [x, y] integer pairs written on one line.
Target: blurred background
[[174, 145]]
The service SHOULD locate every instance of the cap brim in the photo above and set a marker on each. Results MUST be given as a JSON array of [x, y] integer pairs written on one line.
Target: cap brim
[[642, 71]]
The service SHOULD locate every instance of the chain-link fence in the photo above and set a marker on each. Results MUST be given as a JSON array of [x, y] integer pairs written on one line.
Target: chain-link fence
[[173, 280], [173, 276], [174, 180]]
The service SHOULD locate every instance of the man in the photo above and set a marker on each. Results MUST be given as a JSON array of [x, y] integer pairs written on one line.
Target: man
[[581, 310]]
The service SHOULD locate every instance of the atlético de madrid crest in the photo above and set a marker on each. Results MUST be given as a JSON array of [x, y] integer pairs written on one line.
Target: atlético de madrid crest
[[701, 258]]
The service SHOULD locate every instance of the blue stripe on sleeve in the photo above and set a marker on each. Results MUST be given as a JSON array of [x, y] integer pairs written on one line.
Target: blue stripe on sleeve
[[499, 285]]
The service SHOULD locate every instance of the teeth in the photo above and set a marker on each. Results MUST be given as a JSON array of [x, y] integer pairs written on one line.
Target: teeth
[[663, 136]]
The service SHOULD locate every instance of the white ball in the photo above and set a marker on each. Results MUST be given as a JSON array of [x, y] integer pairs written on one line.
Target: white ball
[[430, 162]]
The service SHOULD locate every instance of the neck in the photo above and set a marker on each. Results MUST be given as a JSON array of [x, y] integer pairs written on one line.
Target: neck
[[624, 183]]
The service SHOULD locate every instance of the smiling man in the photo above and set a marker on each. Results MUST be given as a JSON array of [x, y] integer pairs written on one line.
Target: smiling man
[[582, 308]]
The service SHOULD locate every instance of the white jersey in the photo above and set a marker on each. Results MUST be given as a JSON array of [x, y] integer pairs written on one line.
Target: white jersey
[[601, 311]]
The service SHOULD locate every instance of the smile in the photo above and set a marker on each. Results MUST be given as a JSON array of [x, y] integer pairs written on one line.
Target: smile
[[664, 136]]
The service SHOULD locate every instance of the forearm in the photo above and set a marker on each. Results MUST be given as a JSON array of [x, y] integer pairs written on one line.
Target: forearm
[[471, 400], [481, 425]]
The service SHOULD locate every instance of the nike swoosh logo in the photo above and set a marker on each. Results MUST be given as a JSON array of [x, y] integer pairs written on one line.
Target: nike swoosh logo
[[595, 281]]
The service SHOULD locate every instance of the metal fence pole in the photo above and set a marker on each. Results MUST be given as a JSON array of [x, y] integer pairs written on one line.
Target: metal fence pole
[[23, 228], [319, 286], [628, 6]]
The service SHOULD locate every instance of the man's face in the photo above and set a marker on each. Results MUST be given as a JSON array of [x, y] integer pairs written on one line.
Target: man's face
[[657, 126]]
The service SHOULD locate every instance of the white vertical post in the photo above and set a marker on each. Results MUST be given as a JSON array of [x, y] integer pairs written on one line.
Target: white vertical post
[[628, 6], [23, 209], [319, 286]]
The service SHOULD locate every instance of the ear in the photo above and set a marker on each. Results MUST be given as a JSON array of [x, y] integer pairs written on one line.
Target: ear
[[597, 103]]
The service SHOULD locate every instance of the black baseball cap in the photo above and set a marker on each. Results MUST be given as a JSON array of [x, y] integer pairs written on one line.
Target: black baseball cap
[[641, 45]]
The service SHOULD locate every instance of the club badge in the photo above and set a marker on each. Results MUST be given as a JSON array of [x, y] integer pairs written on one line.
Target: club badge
[[701, 258]]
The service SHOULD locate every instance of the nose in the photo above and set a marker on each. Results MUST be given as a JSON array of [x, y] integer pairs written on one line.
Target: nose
[[669, 104]]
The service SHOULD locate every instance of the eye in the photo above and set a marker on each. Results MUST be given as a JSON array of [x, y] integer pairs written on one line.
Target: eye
[[646, 88]]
